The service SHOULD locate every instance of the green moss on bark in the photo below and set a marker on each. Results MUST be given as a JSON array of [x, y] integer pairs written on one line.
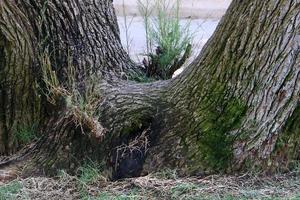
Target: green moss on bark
[[216, 141], [287, 148], [219, 115]]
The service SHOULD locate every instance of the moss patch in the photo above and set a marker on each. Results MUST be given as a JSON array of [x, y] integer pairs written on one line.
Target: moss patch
[[219, 114], [287, 148], [26, 134], [216, 141]]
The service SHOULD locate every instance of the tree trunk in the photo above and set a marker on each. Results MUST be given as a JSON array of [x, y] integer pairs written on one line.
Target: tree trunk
[[236, 98], [68, 32], [235, 107]]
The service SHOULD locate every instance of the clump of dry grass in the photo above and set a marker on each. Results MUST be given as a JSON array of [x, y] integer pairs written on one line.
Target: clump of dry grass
[[81, 104], [160, 186]]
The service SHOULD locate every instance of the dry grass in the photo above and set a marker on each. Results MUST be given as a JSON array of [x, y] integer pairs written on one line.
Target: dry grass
[[158, 186]]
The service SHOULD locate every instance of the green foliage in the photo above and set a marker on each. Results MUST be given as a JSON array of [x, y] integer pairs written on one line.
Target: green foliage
[[10, 191], [168, 42], [167, 33]]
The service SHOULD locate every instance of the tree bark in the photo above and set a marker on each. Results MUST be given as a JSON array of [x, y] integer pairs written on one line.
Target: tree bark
[[242, 89], [235, 107], [84, 33]]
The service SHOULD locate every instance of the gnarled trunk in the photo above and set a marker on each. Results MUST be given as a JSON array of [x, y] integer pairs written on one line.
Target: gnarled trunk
[[235, 105]]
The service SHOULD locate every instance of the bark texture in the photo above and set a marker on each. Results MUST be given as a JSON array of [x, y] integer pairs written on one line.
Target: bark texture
[[242, 89], [84, 33], [235, 107]]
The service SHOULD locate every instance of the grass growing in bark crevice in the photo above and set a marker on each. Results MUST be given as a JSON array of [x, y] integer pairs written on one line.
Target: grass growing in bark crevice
[[80, 101]]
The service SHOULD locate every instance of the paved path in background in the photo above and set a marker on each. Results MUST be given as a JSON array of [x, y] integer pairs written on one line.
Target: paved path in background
[[213, 9], [202, 29], [204, 17]]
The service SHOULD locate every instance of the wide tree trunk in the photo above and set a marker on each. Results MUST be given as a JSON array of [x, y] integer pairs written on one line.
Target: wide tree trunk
[[235, 107]]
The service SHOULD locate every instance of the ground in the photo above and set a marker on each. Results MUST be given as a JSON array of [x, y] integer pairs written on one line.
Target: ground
[[162, 185]]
